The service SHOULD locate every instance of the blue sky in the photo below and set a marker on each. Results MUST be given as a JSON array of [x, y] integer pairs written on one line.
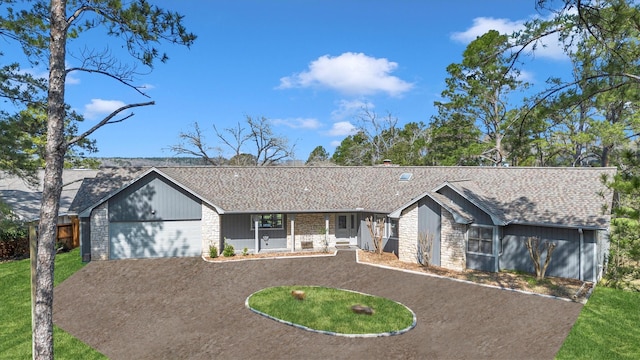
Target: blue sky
[[308, 66]]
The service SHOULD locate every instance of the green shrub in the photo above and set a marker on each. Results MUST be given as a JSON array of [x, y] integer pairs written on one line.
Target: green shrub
[[245, 251], [12, 229], [213, 251], [228, 250]]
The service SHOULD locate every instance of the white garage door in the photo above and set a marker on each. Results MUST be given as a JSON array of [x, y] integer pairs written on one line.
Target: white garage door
[[151, 239]]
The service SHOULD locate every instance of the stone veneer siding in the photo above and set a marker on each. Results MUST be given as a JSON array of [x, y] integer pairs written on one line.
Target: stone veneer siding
[[210, 229], [452, 244], [100, 232], [408, 237], [308, 227]]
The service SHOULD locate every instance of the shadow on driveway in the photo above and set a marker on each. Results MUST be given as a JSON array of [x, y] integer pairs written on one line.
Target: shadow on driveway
[[185, 308]]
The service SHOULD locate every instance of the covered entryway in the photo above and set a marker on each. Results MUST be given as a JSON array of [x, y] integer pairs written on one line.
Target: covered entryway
[[151, 239], [347, 228]]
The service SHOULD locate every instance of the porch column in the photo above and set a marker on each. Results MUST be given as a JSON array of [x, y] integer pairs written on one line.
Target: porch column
[[255, 234], [326, 229], [293, 232]]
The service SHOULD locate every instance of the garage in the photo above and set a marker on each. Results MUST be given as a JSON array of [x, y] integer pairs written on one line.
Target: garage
[[151, 239], [154, 218]]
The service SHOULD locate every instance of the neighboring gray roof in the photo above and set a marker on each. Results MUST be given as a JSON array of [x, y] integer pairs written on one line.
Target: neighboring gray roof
[[25, 200], [560, 196]]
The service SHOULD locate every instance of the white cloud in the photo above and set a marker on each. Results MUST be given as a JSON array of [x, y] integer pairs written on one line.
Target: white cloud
[[145, 87], [526, 76], [350, 73], [549, 47], [298, 123], [100, 106], [342, 128], [483, 24], [336, 143], [350, 108]]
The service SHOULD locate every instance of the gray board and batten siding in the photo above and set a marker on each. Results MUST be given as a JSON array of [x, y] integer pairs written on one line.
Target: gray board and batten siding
[[154, 218], [479, 216], [429, 224], [567, 260]]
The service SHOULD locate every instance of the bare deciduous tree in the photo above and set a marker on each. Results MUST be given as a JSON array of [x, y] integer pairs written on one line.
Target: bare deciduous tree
[[535, 248], [381, 132], [425, 249], [193, 144], [376, 229], [270, 148], [256, 145]]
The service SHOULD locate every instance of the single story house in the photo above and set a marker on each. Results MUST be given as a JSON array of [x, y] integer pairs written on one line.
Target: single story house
[[476, 217], [24, 199]]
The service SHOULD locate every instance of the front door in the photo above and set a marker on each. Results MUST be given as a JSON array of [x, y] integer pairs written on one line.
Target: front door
[[347, 228]]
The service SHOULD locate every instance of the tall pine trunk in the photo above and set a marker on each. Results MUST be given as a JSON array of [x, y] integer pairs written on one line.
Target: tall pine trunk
[[54, 157]]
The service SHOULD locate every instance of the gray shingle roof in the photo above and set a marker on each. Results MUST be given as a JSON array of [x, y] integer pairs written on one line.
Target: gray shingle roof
[[569, 196], [25, 200]]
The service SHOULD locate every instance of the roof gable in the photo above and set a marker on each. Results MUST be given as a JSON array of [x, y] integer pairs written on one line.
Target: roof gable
[[102, 188]]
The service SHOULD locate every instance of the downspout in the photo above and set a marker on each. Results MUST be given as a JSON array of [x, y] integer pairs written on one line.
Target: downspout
[[581, 246], [596, 261], [496, 248]]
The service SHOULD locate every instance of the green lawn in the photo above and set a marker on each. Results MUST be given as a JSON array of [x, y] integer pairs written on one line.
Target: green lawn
[[15, 311], [608, 327], [329, 309]]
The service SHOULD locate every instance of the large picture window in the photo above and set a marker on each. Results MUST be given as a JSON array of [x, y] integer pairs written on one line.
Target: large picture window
[[269, 221], [480, 240]]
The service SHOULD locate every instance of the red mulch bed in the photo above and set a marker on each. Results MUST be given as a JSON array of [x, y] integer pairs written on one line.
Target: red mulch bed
[[565, 288]]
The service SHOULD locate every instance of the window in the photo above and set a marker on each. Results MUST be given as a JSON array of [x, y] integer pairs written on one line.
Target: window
[[480, 240], [392, 228], [405, 176], [342, 221], [269, 221]]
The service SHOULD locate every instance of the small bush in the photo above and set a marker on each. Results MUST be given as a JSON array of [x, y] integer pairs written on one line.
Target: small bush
[[228, 250], [213, 251], [245, 251]]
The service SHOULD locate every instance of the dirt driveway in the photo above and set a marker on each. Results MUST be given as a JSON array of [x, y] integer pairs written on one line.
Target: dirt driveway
[[186, 308]]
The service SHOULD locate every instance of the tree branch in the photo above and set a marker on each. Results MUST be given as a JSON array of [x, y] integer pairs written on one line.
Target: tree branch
[[108, 74], [107, 120]]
